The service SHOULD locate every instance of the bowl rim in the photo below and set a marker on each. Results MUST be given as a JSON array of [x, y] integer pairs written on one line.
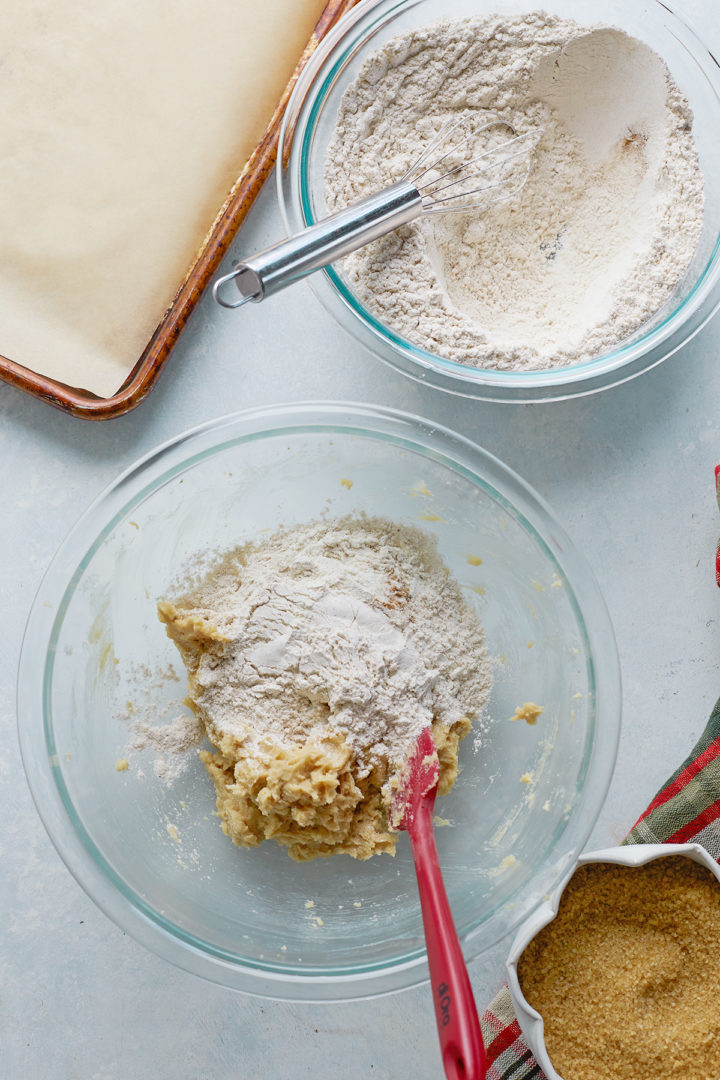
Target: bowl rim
[[530, 1020], [42, 766], [620, 364]]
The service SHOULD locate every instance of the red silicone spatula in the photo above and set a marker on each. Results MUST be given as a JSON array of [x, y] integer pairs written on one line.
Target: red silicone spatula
[[458, 1025]]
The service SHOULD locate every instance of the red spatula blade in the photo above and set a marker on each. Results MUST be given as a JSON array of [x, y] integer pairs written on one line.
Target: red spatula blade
[[411, 808], [417, 780]]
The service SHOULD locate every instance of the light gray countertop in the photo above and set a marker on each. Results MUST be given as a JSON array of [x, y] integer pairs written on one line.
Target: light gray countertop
[[629, 473]]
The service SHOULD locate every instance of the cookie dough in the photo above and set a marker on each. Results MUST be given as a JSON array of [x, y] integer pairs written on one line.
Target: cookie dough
[[314, 660], [529, 712]]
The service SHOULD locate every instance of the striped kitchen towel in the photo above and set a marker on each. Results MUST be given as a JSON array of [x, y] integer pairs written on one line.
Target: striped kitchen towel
[[685, 810], [717, 493]]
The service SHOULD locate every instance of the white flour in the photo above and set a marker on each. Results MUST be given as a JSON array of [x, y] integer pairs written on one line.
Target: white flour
[[351, 626], [163, 728], [604, 229], [169, 742]]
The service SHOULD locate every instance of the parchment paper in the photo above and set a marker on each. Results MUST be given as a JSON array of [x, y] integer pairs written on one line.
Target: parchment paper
[[123, 126]]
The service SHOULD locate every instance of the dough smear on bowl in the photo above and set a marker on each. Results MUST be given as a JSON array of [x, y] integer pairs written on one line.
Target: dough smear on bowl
[[597, 241], [315, 658]]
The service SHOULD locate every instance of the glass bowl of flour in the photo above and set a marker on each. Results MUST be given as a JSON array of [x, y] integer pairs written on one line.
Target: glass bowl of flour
[[607, 261], [108, 745]]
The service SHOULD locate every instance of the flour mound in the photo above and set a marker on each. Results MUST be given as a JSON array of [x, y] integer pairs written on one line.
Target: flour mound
[[604, 229], [315, 658], [351, 627]]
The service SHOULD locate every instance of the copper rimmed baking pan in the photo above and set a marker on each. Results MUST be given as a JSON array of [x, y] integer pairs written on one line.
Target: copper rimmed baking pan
[[144, 374]]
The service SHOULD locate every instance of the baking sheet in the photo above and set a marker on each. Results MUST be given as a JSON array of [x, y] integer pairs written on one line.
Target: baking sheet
[[125, 126]]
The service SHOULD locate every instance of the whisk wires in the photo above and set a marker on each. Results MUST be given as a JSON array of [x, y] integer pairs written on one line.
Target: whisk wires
[[492, 175]]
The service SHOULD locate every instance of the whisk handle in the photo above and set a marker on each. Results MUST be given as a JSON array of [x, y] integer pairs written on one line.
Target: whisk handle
[[330, 239]]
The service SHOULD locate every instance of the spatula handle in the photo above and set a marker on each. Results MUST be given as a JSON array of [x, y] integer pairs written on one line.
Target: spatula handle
[[463, 1053]]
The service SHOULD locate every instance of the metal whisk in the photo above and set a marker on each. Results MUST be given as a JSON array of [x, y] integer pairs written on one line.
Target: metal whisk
[[439, 181]]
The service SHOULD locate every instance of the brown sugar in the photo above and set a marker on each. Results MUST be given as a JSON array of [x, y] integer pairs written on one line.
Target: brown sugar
[[627, 976]]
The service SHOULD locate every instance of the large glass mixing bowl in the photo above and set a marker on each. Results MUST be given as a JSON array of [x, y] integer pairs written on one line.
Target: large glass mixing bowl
[[308, 127], [148, 849]]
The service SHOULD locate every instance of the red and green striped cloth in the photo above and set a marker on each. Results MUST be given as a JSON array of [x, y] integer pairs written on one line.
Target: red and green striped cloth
[[686, 809]]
